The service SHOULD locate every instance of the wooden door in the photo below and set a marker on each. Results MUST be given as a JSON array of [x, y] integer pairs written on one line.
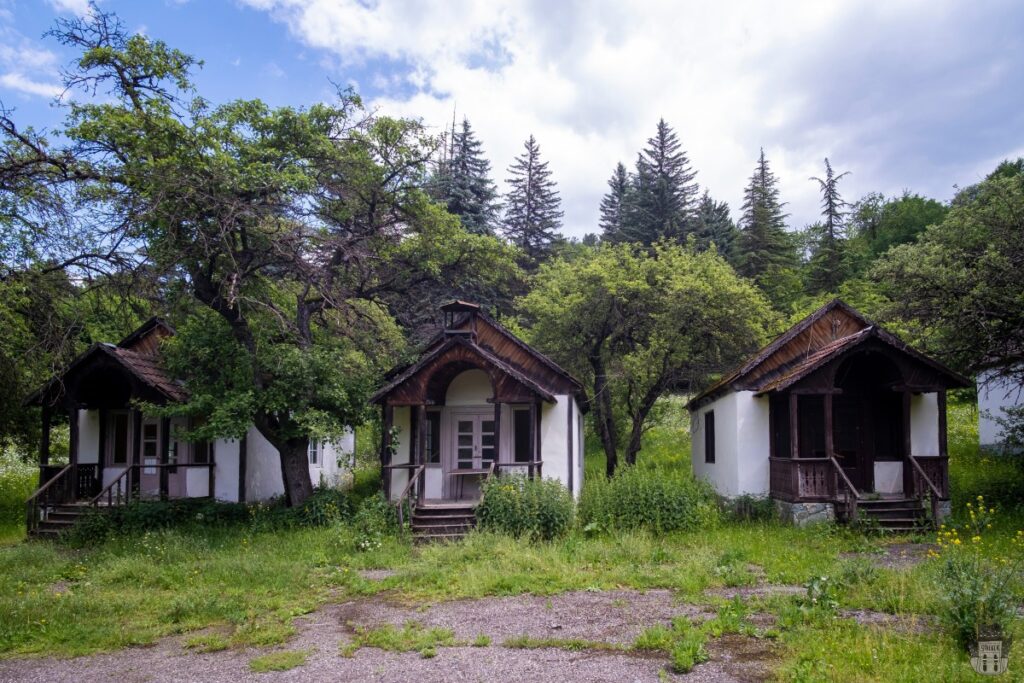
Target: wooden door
[[847, 437], [473, 449], [149, 481]]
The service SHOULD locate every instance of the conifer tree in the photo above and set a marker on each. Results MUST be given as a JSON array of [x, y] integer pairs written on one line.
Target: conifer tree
[[827, 238], [533, 212], [663, 200], [613, 205], [714, 225], [464, 185], [764, 247]]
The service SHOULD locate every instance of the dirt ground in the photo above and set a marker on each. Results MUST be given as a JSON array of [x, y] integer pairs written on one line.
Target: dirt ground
[[607, 616]]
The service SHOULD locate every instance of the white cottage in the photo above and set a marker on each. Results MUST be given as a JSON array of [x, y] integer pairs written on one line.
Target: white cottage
[[477, 402], [116, 452], [836, 417]]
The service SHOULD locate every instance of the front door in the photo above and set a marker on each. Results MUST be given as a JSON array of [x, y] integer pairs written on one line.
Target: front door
[[473, 450], [851, 420], [149, 481]]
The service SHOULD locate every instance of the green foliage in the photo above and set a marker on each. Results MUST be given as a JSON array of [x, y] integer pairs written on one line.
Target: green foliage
[[688, 651], [18, 480], [540, 509], [751, 508], [961, 279], [657, 637], [977, 580], [649, 321], [656, 500], [374, 519]]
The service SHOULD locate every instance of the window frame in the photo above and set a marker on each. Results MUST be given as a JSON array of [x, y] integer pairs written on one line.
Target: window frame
[[524, 410], [709, 437]]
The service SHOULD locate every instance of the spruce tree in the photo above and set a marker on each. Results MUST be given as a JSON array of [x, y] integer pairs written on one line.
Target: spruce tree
[[663, 202], [827, 238], [714, 225], [465, 186], [764, 247], [613, 205], [533, 212]]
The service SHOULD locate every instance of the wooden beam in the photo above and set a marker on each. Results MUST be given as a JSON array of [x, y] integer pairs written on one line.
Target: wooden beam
[[497, 431], [830, 450], [534, 437], [73, 439], [136, 475], [943, 442], [101, 456], [569, 437], [44, 436], [908, 471], [211, 454], [794, 427], [165, 445], [243, 464]]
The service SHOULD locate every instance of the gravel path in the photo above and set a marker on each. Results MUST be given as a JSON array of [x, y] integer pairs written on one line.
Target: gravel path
[[610, 616]]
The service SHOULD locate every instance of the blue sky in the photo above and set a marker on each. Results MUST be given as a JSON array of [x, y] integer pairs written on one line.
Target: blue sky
[[905, 94]]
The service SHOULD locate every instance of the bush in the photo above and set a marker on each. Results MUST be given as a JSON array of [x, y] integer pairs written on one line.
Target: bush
[[977, 581], [374, 519], [18, 480], [521, 507], [656, 500], [750, 508], [325, 507]]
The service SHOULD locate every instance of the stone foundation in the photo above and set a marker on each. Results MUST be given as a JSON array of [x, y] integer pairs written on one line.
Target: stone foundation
[[805, 514]]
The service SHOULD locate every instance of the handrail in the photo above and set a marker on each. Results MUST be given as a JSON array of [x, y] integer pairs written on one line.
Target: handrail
[[31, 504], [108, 489], [400, 503], [851, 499], [936, 493]]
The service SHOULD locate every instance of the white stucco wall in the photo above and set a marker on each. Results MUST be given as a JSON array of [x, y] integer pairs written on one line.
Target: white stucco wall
[[469, 388], [402, 419], [994, 397], [225, 484], [741, 444], [88, 436], [888, 477], [924, 424], [554, 439], [263, 466]]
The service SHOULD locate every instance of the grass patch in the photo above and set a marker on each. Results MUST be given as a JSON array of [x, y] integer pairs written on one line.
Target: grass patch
[[207, 642], [279, 661], [412, 637], [481, 641], [525, 642]]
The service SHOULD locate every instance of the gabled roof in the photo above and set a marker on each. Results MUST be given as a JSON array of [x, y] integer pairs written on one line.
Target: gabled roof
[[153, 324], [483, 354], [810, 344]]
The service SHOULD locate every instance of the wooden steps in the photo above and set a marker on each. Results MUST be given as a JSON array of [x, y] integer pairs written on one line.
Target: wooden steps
[[59, 518], [442, 522], [896, 515]]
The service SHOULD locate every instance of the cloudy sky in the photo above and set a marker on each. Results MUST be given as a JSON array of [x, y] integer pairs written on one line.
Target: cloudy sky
[[919, 95]]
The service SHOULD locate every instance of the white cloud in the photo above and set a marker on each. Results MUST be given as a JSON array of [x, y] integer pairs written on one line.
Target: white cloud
[[79, 7], [591, 79], [24, 84]]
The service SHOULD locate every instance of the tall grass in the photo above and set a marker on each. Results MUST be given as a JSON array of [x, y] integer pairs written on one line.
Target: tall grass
[[18, 480]]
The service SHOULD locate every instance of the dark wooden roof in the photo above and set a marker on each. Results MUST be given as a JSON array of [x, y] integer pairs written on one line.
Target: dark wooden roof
[[137, 356], [495, 348], [830, 332]]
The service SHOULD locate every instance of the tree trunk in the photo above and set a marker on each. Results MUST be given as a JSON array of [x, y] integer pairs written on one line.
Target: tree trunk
[[604, 419], [637, 430], [295, 472]]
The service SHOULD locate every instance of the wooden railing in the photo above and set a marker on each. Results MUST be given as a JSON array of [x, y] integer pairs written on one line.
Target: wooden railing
[[412, 485], [114, 492], [851, 491], [59, 488], [930, 475], [796, 479]]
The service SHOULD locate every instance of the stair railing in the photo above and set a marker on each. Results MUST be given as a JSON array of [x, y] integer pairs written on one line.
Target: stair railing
[[56, 490], [852, 495], [936, 494], [400, 503], [109, 490]]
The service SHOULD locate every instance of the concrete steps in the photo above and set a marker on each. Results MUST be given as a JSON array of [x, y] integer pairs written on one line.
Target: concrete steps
[[59, 518], [896, 515]]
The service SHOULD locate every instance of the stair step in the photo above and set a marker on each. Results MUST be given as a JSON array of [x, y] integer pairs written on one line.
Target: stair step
[[444, 538]]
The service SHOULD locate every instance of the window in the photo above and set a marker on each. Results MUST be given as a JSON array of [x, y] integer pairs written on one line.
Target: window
[[313, 450], [150, 447], [432, 437], [521, 436], [202, 452], [709, 436], [119, 453], [172, 456]]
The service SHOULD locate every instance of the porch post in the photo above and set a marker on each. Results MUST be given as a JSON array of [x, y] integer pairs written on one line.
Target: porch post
[[909, 480], [943, 443], [73, 450], [136, 475], [534, 437], [165, 444], [211, 455], [421, 444], [794, 427], [388, 418], [101, 456], [830, 450], [44, 438], [537, 454], [243, 464], [497, 434]]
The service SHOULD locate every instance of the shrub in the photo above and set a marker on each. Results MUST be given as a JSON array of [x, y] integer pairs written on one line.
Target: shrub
[[326, 506], [977, 581], [374, 519], [18, 480], [533, 508], [750, 508], [637, 498]]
